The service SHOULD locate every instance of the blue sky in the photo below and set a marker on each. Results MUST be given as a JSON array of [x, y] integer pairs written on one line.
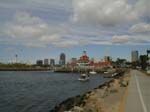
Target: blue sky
[[38, 29]]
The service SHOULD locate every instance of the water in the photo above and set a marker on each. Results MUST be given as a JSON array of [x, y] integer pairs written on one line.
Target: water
[[40, 91]]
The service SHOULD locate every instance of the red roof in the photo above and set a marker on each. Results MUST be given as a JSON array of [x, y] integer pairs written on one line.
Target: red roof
[[84, 58]]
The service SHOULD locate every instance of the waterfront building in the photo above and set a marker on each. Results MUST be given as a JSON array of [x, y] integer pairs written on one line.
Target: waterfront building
[[84, 60], [39, 62], [73, 60], [46, 62], [62, 60], [134, 56], [52, 62]]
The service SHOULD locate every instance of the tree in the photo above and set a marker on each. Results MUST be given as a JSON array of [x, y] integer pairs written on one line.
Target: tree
[[143, 61]]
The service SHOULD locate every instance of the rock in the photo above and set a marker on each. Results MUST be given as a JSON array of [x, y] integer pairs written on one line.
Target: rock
[[90, 110], [124, 83], [115, 86], [77, 109]]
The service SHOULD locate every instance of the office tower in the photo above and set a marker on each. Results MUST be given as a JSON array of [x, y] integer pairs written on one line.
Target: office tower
[[46, 62], [62, 60], [39, 62], [52, 62], [134, 56]]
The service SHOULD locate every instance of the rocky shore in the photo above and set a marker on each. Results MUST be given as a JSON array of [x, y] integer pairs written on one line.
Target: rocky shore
[[105, 98]]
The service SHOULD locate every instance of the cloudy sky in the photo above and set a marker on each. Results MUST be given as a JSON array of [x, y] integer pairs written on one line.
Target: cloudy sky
[[37, 29]]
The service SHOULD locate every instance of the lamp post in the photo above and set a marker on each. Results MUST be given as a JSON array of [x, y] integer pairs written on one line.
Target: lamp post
[[16, 56]]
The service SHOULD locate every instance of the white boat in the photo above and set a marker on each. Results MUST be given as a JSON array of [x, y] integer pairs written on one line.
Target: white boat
[[92, 72], [84, 77], [106, 72], [114, 74]]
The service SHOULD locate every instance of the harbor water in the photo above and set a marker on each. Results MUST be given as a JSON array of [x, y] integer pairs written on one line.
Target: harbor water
[[31, 91]]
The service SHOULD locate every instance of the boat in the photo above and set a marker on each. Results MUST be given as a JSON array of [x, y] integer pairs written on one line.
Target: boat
[[110, 75], [92, 72], [114, 74], [84, 77], [106, 72]]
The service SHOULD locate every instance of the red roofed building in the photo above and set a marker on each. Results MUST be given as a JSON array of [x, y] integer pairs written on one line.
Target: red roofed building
[[84, 58], [84, 61]]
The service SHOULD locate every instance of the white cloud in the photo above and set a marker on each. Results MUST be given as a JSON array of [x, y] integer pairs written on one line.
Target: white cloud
[[142, 7], [66, 43], [25, 26], [140, 28], [130, 39], [123, 39], [33, 31], [51, 38], [104, 12]]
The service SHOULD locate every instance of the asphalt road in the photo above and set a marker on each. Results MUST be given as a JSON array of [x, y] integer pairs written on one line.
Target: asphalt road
[[138, 99]]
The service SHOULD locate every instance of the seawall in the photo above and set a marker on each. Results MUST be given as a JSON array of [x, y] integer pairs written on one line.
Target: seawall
[[80, 99]]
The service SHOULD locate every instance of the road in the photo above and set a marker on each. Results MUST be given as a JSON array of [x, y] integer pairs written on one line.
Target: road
[[138, 99]]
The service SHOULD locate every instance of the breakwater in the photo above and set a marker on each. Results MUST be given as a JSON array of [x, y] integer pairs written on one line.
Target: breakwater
[[76, 101], [80, 99]]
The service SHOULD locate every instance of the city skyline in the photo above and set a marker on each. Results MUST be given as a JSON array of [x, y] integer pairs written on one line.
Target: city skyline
[[97, 52], [38, 29]]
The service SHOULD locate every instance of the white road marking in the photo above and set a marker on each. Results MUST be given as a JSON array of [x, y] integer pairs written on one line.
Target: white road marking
[[140, 94]]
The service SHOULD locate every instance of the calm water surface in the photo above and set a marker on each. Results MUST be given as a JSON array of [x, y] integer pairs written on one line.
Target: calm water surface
[[40, 91]]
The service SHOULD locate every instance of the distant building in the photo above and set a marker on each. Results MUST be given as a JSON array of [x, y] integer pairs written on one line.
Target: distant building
[[46, 62], [73, 60], [62, 60], [52, 62], [39, 62], [134, 56], [84, 60]]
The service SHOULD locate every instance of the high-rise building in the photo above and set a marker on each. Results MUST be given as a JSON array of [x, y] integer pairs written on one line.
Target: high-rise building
[[134, 56], [46, 62], [62, 60], [39, 62], [52, 62]]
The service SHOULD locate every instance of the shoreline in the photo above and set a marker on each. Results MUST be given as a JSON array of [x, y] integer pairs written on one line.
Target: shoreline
[[24, 69], [99, 71], [76, 100], [80, 101]]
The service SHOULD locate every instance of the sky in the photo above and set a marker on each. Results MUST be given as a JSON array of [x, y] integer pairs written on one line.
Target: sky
[[38, 29]]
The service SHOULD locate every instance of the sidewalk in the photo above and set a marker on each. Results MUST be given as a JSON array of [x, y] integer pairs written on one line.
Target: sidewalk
[[138, 99]]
